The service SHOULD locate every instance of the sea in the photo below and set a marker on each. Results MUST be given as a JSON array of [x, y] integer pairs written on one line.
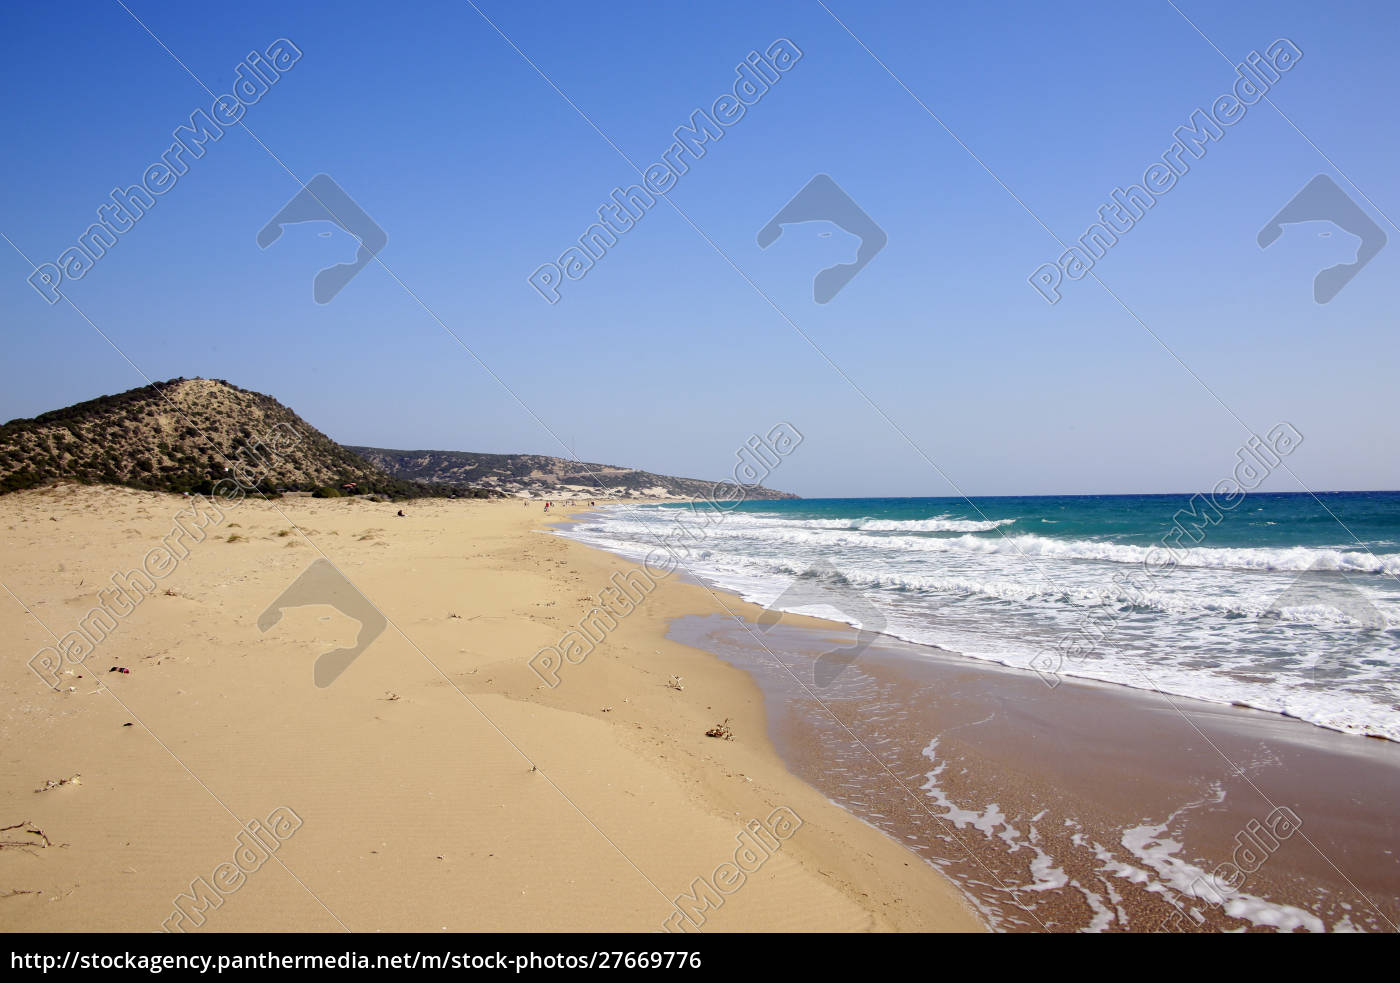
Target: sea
[[1287, 603]]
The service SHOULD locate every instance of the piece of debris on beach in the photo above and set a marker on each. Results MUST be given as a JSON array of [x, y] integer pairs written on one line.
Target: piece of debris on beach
[[721, 730], [25, 827]]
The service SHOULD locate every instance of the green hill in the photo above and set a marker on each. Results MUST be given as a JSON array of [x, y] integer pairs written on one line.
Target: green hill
[[183, 435]]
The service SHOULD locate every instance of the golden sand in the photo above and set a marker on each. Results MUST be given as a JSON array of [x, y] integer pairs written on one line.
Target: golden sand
[[438, 783]]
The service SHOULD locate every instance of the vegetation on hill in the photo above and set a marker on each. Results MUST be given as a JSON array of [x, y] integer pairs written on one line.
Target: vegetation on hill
[[184, 435], [537, 474]]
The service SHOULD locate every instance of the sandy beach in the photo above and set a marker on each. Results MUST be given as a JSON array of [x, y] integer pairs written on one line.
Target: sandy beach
[[437, 783]]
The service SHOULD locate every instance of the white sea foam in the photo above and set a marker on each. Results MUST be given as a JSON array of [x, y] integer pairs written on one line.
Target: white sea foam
[[1159, 866], [941, 523], [1222, 626], [838, 533], [1297, 558], [1158, 851]]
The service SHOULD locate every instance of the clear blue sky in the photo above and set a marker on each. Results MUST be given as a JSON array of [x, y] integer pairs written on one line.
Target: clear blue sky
[[663, 356]]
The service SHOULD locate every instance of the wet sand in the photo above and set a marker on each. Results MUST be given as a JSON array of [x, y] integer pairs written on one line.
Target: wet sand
[[1090, 806]]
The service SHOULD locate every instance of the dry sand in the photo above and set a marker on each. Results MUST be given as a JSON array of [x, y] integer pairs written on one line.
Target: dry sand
[[412, 773]]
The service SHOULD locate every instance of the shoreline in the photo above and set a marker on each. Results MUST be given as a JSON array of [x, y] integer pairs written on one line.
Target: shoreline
[[438, 784], [1381, 730], [1203, 841]]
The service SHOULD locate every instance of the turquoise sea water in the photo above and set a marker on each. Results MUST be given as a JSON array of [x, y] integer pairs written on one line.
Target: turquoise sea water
[[1284, 602]]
